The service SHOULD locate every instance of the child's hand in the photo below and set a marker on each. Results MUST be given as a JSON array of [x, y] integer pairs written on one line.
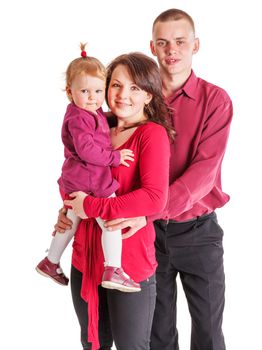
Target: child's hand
[[77, 203], [126, 154]]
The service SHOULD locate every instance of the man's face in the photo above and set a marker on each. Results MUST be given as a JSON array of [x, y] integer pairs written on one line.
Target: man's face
[[174, 44]]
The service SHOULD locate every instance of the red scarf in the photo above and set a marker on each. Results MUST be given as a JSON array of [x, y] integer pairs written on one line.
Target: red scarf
[[93, 267]]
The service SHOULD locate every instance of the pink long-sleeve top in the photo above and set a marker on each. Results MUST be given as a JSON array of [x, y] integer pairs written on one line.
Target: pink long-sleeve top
[[88, 153], [143, 191], [202, 117]]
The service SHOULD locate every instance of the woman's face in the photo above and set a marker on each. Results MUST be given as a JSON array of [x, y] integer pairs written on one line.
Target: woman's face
[[126, 100]]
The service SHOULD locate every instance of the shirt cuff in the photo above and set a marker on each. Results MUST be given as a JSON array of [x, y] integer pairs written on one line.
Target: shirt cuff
[[116, 159]]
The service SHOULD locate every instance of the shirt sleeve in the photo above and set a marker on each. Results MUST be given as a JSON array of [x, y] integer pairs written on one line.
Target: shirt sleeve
[[82, 132], [199, 178], [151, 196]]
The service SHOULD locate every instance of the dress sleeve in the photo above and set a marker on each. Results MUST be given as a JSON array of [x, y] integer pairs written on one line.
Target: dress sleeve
[[151, 197], [199, 178], [82, 132]]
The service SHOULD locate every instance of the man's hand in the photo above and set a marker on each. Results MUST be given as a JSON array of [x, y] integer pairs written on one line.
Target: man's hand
[[135, 224], [63, 223]]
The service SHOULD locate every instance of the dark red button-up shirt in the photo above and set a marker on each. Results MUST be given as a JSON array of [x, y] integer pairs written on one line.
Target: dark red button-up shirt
[[202, 116]]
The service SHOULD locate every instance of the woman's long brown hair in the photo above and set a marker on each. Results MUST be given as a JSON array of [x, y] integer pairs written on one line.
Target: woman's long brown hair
[[145, 73]]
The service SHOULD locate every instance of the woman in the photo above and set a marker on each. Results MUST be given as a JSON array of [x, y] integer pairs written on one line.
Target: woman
[[135, 98]]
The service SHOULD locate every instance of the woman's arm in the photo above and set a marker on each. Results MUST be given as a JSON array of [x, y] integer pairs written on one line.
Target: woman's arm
[[151, 197]]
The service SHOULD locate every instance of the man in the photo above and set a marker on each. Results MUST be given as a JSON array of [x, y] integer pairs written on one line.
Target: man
[[188, 237]]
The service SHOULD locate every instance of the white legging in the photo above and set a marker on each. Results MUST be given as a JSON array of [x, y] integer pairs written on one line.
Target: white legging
[[111, 242]]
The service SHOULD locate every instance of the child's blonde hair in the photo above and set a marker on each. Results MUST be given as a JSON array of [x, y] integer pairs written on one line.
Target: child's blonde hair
[[84, 65]]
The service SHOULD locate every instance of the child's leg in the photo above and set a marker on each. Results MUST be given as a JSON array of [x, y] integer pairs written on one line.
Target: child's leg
[[61, 240], [111, 245], [114, 276]]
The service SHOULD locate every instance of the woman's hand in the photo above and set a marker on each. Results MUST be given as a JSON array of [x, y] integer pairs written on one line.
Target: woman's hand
[[63, 223], [77, 204]]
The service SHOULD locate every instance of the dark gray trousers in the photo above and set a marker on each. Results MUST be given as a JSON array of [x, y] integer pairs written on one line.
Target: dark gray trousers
[[194, 251], [125, 318]]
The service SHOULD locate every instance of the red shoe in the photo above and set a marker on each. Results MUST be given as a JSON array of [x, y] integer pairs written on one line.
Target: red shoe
[[116, 278], [54, 271]]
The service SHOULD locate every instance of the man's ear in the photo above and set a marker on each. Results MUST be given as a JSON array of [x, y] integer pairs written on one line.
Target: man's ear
[[196, 45], [152, 47]]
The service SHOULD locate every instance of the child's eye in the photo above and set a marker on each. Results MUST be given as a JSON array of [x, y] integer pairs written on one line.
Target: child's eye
[[99, 91], [84, 91]]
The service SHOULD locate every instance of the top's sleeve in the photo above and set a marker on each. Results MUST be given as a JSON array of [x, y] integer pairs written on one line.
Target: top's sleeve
[[82, 132], [151, 197], [199, 178]]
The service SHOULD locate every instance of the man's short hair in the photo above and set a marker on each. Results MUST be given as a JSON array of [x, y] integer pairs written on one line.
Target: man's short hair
[[174, 15]]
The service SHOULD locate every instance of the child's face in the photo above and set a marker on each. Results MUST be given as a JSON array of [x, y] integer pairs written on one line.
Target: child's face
[[126, 100], [87, 92]]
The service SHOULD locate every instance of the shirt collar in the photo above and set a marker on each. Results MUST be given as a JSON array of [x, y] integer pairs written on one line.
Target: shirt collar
[[190, 86], [189, 89]]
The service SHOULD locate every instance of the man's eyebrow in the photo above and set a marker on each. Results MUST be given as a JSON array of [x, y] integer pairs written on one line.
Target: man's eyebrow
[[178, 38]]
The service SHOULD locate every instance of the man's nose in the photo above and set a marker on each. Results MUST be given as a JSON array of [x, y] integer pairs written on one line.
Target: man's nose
[[172, 47]]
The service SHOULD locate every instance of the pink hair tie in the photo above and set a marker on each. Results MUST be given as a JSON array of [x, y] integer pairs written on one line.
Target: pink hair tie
[[83, 54]]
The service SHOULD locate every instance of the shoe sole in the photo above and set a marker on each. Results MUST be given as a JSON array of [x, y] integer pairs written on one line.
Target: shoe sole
[[112, 285], [46, 275]]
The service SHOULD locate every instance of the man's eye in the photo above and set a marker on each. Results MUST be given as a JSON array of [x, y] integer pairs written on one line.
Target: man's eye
[[161, 43]]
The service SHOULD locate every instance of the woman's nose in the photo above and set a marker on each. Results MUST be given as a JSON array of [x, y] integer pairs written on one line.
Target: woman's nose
[[123, 92]]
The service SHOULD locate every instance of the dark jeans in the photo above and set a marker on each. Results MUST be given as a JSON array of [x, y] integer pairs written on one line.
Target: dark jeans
[[194, 251], [125, 317]]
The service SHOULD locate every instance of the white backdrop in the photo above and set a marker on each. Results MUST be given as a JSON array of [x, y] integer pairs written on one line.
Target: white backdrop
[[38, 40]]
